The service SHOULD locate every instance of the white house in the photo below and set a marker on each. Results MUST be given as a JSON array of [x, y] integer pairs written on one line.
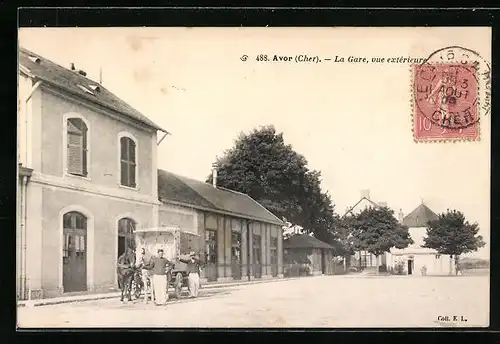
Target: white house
[[414, 257]]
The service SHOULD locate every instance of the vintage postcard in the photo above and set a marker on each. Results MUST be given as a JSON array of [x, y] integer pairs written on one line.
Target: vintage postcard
[[334, 177]]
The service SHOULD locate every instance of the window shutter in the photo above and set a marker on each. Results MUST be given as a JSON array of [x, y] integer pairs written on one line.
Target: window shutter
[[77, 147], [127, 165], [131, 167], [84, 152], [75, 156], [124, 173]]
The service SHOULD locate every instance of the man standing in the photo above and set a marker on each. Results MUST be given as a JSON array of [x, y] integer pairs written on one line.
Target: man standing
[[158, 266], [143, 262], [193, 268]]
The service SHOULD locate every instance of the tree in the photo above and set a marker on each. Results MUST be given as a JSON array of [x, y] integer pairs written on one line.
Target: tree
[[261, 165], [342, 238], [376, 231], [450, 234]]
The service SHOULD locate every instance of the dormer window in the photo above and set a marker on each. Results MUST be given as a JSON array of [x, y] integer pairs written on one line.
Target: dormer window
[[95, 88], [34, 59], [85, 89]]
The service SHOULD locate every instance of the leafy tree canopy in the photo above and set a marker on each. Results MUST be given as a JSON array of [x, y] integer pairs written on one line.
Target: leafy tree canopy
[[451, 234], [261, 165], [343, 239], [376, 230]]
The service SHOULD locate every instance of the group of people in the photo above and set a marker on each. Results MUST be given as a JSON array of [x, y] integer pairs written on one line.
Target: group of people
[[155, 269]]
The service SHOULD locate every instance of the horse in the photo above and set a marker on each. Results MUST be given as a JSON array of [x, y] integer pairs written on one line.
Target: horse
[[126, 271]]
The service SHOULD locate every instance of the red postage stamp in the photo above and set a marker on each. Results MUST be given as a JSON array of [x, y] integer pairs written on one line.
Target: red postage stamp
[[445, 102]]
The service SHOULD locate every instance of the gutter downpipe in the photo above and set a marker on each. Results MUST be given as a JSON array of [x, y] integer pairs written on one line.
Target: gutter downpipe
[[22, 239], [24, 207], [24, 217]]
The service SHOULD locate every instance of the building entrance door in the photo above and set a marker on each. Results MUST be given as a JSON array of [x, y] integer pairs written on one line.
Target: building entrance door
[[323, 262], [236, 255], [410, 266], [74, 252], [210, 255], [257, 265]]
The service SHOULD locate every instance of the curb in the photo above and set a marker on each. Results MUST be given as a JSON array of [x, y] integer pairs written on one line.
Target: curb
[[112, 295]]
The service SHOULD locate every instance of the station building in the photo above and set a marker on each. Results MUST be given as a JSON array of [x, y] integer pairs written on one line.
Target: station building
[[88, 178]]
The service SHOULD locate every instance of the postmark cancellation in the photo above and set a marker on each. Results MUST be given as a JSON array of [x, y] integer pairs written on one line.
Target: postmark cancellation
[[450, 92]]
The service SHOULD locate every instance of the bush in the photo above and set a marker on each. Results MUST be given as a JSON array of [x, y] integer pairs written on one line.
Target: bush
[[382, 268], [423, 270], [399, 267], [353, 269]]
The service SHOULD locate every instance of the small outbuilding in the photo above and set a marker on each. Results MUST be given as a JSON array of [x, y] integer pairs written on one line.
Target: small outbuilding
[[306, 255]]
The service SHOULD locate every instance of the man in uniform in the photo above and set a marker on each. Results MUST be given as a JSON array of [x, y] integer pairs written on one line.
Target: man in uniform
[[193, 268], [158, 267]]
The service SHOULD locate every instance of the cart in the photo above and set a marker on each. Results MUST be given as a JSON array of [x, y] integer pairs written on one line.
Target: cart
[[175, 243]]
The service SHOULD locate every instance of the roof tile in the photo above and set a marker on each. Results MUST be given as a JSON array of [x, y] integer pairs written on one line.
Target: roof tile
[[199, 194], [419, 217], [305, 241]]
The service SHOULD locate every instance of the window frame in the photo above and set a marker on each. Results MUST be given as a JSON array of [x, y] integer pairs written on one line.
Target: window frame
[[211, 240], [88, 144], [128, 236], [119, 160]]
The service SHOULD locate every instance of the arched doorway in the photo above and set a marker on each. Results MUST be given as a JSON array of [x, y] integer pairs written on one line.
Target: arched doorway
[[74, 252], [126, 230]]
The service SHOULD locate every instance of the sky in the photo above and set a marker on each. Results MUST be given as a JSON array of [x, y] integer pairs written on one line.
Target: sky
[[352, 121]]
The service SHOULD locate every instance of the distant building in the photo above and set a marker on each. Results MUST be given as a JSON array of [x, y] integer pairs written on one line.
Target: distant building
[[307, 250], [364, 259], [414, 257]]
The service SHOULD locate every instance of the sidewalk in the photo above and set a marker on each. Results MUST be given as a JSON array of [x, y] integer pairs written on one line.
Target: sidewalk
[[115, 294]]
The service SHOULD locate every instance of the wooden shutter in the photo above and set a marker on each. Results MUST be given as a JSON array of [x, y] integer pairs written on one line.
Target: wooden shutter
[[77, 147], [127, 164]]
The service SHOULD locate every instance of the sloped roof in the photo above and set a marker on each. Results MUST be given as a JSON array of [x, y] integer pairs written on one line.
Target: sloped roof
[[352, 209], [175, 188], [305, 241], [39, 67], [419, 217]]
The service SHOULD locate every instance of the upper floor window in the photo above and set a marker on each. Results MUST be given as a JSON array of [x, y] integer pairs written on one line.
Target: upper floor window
[[128, 163], [77, 146]]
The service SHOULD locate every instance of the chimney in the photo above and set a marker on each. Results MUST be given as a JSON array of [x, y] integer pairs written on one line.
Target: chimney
[[401, 216], [365, 193], [72, 66], [214, 175]]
